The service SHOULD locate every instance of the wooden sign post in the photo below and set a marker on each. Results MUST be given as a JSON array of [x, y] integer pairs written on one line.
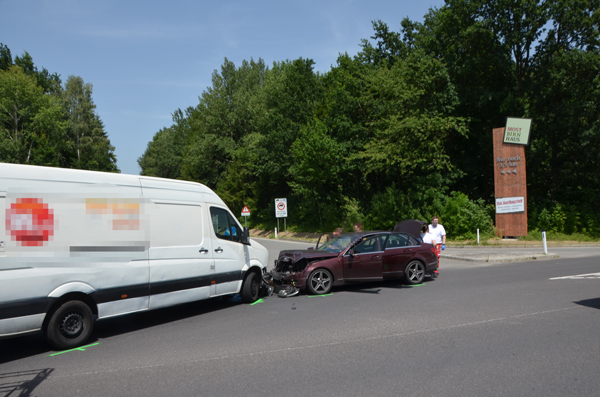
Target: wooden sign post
[[511, 187]]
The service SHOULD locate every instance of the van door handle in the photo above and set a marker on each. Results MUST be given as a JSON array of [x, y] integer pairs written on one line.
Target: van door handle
[[203, 250], [219, 250]]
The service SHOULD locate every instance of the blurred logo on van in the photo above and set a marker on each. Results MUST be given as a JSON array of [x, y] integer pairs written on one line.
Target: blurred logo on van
[[30, 222]]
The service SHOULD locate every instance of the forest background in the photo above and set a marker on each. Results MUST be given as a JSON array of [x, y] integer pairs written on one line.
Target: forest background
[[403, 129]]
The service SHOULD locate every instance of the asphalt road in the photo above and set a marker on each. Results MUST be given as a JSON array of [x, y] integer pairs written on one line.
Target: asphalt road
[[484, 329]]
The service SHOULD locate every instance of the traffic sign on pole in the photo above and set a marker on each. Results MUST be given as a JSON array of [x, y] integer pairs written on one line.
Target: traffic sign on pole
[[245, 211], [281, 208]]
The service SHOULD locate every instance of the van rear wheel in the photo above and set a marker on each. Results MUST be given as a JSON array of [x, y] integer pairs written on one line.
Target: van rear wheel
[[70, 325], [250, 288]]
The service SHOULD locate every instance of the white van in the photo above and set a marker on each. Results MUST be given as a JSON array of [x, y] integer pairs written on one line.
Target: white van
[[78, 244]]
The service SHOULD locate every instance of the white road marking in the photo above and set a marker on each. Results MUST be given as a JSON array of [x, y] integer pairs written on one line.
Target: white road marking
[[578, 277]]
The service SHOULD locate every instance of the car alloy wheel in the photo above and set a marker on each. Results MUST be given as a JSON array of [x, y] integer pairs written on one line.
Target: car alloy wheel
[[415, 272], [320, 282]]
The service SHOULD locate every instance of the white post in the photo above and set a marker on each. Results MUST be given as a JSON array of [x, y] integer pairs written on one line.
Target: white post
[[477, 236], [544, 241], [275, 232]]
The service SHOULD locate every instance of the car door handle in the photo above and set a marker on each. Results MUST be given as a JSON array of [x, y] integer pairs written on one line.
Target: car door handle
[[203, 250], [375, 257], [219, 250]]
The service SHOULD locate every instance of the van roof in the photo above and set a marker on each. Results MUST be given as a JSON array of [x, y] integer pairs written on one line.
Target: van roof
[[34, 172]]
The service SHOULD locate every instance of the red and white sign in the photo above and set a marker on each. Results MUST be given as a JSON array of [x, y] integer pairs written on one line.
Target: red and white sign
[[245, 211], [30, 222], [281, 208], [507, 205]]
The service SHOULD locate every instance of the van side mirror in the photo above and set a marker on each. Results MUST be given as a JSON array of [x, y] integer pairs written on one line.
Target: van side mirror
[[246, 236]]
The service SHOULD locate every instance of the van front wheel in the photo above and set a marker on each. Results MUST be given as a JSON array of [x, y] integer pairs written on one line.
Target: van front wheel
[[70, 325], [250, 288]]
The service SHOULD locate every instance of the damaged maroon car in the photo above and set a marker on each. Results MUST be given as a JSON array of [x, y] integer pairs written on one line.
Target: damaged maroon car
[[359, 257]]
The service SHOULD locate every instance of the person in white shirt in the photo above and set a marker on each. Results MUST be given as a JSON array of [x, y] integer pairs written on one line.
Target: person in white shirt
[[426, 236], [438, 232]]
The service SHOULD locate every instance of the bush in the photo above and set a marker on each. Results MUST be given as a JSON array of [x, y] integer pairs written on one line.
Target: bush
[[461, 217]]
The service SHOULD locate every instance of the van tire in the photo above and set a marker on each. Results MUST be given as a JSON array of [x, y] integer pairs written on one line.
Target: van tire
[[250, 288], [70, 325]]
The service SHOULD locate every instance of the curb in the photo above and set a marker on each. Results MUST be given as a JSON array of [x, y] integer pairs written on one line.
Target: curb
[[514, 259]]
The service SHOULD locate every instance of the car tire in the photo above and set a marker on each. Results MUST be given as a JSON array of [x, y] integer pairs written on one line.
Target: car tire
[[250, 288], [319, 282], [414, 272], [70, 325]]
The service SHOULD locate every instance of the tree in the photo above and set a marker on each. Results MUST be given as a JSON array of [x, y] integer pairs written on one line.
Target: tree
[[412, 104], [88, 146], [480, 68], [316, 176], [286, 102], [49, 82], [32, 126], [220, 122], [5, 57]]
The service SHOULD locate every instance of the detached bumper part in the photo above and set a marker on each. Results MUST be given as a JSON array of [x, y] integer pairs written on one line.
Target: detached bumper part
[[288, 292]]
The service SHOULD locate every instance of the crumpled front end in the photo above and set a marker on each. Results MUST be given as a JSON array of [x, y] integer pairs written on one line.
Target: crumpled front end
[[289, 272]]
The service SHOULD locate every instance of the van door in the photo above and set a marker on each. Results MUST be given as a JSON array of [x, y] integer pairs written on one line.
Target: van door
[[180, 256], [228, 251]]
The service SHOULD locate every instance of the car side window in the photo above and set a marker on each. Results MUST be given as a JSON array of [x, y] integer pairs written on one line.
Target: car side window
[[224, 225], [369, 244], [413, 241], [397, 241]]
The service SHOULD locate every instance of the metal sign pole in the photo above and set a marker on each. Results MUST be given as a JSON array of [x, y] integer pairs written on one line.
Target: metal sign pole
[[285, 224]]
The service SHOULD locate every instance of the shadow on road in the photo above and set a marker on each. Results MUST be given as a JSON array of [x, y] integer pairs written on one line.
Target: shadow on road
[[22, 383], [376, 286], [32, 345], [593, 303]]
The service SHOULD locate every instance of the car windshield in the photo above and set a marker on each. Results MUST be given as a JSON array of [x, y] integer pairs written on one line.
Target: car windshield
[[337, 244]]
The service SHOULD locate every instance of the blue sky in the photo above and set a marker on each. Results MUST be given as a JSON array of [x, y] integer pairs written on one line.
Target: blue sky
[[146, 59]]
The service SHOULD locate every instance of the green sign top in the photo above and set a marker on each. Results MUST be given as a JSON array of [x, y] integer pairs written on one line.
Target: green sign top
[[517, 131]]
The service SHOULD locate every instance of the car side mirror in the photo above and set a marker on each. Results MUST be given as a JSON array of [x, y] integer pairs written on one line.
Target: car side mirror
[[246, 236], [311, 248], [351, 252]]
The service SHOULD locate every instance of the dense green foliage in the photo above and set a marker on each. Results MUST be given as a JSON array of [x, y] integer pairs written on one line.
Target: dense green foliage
[[404, 128], [44, 123]]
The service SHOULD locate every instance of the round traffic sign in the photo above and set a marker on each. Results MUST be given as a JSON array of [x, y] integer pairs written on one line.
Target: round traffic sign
[[280, 206]]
